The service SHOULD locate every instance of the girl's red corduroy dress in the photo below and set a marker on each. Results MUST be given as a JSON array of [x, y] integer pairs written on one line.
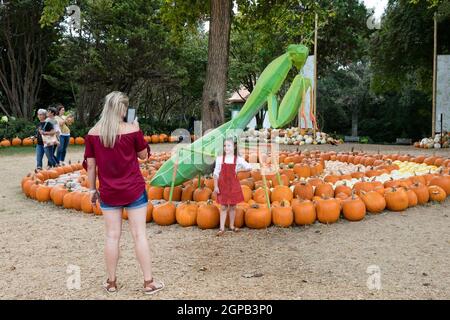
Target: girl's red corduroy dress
[[230, 192]]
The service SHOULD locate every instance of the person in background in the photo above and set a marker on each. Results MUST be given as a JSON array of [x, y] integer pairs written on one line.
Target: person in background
[[53, 124], [63, 122], [46, 129], [42, 114]]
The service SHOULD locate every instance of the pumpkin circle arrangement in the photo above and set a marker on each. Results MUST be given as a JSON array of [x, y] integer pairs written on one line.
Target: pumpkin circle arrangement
[[155, 138], [309, 186]]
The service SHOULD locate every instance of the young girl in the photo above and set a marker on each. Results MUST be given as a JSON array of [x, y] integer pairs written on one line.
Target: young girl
[[226, 183]]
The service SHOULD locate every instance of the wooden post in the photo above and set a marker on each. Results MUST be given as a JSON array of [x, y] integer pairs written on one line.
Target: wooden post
[[433, 123], [314, 105], [315, 66]]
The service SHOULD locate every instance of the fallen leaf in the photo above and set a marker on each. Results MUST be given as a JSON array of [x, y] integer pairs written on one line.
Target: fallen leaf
[[252, 275]]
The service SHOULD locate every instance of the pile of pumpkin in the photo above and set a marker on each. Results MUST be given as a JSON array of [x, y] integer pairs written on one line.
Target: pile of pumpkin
[[155, 138], [16, 142], [292, 136], [299, 192], [439, 141], [162, 138]]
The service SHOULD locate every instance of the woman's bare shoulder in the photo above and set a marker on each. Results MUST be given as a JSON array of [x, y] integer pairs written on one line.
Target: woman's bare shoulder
[[94, 131], [126, 128]]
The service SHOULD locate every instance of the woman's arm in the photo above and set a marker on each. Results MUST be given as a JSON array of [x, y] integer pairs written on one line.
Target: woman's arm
[[92, 179], [92, 173]]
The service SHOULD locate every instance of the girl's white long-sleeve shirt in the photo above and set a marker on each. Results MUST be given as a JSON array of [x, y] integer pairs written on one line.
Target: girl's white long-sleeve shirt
[[241, 164]]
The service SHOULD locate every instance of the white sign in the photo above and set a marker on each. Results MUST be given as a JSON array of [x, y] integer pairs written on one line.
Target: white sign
[[443, 93], [308, 72]]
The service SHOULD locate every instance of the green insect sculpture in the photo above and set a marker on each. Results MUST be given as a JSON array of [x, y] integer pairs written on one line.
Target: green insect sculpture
[[199, 156]]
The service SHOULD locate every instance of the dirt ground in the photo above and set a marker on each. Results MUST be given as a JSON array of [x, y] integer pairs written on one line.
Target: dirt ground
[[385, 256]]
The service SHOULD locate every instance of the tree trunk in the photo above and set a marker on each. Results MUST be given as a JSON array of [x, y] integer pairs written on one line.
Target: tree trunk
[[25, 45], [354, 123], [217, 69]]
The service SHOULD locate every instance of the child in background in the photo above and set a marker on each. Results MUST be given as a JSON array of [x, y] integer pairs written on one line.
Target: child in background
[[226, 183]]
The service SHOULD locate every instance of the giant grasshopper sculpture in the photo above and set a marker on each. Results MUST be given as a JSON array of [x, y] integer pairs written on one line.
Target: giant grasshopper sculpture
[[198, 157]]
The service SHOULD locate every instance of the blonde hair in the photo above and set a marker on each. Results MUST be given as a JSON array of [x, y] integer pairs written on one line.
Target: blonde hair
[[114, 109]]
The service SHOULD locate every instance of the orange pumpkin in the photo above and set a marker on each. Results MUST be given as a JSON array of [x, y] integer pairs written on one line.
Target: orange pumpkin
[[421, 192], [354, 208], [343, 188], [202, 194], [164, 214], [328, 210], [304, 190], [437, 193], [374, 201], [16, 141], [155, 138], [247, 192], [412, 198], [176, 195], [304, 212], [43, 193], [86, 204], [27, 142], [282, 215], [155, 193], [441, 181], [187, 192], [208, 216], [258, 217], [324, 190], [396, 199], [280, 193], [67, 200], [302, 170], [186, 214], [260, 196], [57, 195]]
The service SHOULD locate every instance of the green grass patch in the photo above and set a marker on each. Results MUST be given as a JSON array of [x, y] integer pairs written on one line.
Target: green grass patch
[[30, 150]]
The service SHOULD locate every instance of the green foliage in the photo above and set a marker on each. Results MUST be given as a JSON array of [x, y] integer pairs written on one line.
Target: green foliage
[[17, 127], [53, 10], [401, 52], [125, 46]]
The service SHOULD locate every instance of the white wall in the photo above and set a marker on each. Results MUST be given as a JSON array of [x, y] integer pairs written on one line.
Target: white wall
[[443, 92]]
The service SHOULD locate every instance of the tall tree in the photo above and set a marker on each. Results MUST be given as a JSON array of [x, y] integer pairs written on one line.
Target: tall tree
[[401, 52], [23, 54], [182, 14], [217, 69]]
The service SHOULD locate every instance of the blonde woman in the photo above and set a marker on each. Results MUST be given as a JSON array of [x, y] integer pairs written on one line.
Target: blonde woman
[[112, 148]]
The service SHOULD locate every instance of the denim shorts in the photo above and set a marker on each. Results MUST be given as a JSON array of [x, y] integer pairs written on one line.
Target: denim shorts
[[139, 203]]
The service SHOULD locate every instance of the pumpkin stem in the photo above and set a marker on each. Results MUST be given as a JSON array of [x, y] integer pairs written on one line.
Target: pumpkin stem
[[279, 179]]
